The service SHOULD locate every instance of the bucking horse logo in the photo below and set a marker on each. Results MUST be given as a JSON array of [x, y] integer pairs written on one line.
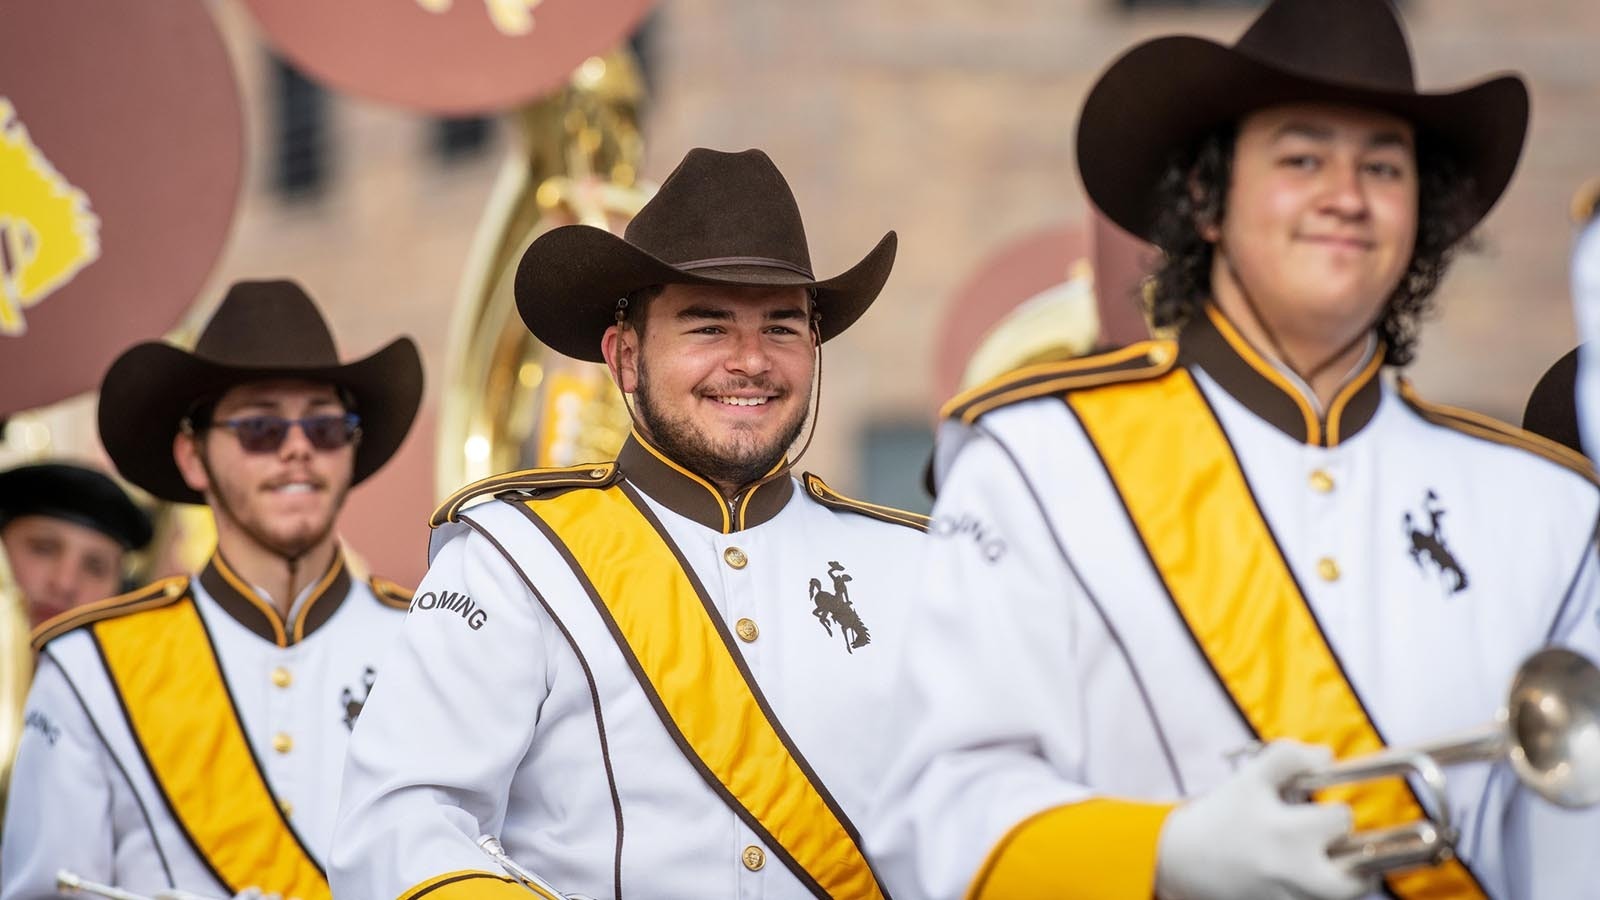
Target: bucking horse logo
[[47, 231], [352, 705], [1431, 544], [836, 609]]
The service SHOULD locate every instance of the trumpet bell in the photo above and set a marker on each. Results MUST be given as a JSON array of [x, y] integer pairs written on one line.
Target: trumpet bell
[[1553, 721]]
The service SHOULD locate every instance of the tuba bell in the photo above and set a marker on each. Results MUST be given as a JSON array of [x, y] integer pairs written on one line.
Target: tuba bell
[[509, 401]]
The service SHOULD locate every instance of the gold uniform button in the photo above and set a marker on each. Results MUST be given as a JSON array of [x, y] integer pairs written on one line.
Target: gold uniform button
[[1160, 354], [282, 742], [1321, 481], [287, 807], [1327, 569], [281, 677], [754, 858], [747, 630], [735, 557], [597, 473]]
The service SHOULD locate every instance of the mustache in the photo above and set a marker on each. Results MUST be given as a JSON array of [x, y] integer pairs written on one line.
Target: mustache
[[303, 478], [759, 383]]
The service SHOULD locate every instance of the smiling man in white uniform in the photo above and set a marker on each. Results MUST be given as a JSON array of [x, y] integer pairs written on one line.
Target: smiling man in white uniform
[[1143, 563], [660, 676]]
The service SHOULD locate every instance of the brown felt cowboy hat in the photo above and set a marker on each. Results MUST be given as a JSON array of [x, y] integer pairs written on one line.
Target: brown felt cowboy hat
[[719, 218], [1164, 94], [263, 330]]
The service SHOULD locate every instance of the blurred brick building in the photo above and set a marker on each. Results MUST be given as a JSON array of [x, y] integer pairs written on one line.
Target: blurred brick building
[[949, 121]]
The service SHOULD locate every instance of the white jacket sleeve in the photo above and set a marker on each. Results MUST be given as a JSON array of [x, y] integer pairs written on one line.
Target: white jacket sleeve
[[448, 722], [984, 795], [1550, 851], [59, 812]]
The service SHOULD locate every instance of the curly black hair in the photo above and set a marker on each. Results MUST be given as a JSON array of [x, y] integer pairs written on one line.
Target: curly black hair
[[1193, 192]]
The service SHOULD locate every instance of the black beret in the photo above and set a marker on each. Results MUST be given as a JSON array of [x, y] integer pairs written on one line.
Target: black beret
[[76, 494], [1553, 406]]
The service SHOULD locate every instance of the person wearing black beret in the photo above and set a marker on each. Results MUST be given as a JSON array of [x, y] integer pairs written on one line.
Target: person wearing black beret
[[66, 529]]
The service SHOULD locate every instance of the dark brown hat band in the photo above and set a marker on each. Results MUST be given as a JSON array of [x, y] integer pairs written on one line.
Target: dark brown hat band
[[765, 262]]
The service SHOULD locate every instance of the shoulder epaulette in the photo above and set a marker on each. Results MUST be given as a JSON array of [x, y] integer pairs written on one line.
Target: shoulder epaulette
[[832, 499], [533, 482], [1490, 429], [1146, 359], [157, 593], [391, 594]]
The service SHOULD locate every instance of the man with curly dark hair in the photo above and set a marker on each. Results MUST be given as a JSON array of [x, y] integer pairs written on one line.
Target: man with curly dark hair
[[1148, 564]]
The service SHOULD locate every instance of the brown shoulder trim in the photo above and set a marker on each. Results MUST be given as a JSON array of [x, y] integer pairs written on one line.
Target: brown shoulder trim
[[535, 482], [158, 593], [390, 593], [1490, 429], [832, 499], [1146, 359]]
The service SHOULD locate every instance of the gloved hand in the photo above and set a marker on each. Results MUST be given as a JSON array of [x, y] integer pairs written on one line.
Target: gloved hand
[[1241, 841]]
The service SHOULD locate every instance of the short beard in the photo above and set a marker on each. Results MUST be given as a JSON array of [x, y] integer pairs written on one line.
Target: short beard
[[288, 548], [733, 462]]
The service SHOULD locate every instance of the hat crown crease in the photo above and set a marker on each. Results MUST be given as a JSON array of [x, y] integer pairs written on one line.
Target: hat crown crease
[[1359, 44], [718, 205], [267, 325]]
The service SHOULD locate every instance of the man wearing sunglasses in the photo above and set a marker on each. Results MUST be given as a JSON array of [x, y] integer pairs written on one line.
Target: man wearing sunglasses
[[190, 735]]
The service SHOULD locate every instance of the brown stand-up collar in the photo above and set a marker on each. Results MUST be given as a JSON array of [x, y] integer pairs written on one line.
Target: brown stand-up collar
[[255, 612], [1210, 342], [692, 496]]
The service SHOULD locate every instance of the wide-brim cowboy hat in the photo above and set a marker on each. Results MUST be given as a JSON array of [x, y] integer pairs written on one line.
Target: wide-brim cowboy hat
[[718, 219], [263, 330], [1165, 94]]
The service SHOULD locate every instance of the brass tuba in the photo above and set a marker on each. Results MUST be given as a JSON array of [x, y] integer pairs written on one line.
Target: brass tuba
[[509, 401], [16, 670]]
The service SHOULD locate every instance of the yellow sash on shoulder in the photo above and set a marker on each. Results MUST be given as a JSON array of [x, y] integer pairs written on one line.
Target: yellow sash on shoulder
[[165, 670], [1194, 511], [684, 658]]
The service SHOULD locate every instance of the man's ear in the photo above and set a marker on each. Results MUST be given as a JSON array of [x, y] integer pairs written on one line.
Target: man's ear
[[186, 450], [620, 347]]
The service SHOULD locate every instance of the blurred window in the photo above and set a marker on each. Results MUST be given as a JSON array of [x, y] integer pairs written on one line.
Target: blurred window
[[300, 107], [461, 138], [893, 458]]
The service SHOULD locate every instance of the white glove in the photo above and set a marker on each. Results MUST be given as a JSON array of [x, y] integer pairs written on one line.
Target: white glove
[[1241, 841]]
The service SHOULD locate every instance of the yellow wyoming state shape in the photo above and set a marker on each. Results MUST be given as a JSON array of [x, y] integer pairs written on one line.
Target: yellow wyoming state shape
[[47, 232]]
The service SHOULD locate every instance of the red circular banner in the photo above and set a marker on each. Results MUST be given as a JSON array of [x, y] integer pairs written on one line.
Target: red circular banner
[[456, 57], [121, 147]]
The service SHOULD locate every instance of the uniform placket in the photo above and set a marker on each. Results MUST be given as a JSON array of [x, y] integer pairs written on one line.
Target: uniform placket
[[1324, 473], [741, 575], [285, 694]]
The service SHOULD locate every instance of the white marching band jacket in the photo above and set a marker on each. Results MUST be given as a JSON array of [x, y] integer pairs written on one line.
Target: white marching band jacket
[[187, 736], [641, 689], [1142, 563]]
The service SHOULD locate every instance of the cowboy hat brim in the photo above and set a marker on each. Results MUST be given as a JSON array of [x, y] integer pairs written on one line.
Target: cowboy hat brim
[[570, 279], [152, 386], [1163, 95]]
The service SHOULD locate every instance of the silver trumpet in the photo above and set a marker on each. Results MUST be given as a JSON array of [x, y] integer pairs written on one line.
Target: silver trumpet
[[1549, 730], [71, 883], [535, 885]]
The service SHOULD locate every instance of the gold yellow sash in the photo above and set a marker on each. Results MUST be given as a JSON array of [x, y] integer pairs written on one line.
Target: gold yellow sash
[[684, 658], [166, 672], [1193, 508]]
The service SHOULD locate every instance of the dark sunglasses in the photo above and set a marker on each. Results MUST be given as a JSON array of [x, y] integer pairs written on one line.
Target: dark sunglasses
[[265, 434]]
